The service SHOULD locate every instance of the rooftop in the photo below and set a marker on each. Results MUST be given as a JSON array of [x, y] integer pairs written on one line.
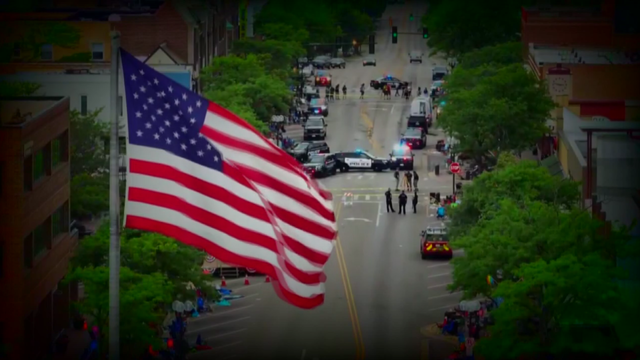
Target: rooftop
[[565, 55], [15, 112], [556, 13]]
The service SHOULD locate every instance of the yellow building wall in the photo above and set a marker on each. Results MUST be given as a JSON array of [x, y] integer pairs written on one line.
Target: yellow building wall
[[71, 42]]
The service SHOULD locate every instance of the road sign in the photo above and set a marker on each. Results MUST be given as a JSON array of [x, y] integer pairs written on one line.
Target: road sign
[[455, 167]]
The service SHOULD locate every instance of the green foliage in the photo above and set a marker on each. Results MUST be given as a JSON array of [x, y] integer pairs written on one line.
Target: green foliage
[[147, 253], [89, 195], [489, 109], [245, 86], [142, 300], [278, 53], [496, 55], [283, 32], [18, 88], [82, 57], [457, 27], [87, 133], [573, 299]]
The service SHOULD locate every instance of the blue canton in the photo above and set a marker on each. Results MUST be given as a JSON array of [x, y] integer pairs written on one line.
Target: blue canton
[[163, 114]]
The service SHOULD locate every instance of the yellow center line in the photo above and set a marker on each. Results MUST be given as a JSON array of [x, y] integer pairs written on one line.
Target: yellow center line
[[353, 313]]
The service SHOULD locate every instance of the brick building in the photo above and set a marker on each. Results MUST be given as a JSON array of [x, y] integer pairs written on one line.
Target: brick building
[[36, 241]]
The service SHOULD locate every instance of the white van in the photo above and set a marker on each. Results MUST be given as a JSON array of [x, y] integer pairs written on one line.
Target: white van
[[420, 115]]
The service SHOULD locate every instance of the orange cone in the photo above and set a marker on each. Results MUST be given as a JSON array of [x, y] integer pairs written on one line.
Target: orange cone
[[267, 279], [246, 279], [224, 282]]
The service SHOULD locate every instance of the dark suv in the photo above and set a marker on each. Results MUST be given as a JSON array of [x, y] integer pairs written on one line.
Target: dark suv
[[321, 165], [315, 129], [302, 151]]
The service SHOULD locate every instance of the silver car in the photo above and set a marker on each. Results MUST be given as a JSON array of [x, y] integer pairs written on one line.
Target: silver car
[[337, 63], [369, 61]]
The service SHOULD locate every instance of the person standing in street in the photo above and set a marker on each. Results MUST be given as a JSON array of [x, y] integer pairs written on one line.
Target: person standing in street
[[414, 202], [402, 200], [408, 176], [396, 175], [415, 181], [387, 196]]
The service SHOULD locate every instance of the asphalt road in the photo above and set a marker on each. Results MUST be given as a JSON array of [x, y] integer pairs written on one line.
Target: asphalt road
[[379, 292]]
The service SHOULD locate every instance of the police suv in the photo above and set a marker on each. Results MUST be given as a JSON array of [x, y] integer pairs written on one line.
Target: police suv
[[360, 160], [401, 158]]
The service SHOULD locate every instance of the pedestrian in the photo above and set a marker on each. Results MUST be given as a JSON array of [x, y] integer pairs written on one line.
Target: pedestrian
[[362, 91], [402, 201], [419, 91], [408, 175], [414, 202], [396, 175], [398, 87], [387, 196], [415, 181]]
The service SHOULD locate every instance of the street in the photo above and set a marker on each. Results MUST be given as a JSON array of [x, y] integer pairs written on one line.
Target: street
[[379, 292]]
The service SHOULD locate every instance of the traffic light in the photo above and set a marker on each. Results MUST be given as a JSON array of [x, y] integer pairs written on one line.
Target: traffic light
[[425, 33], [372, 44], [411, 17], [394, 35]]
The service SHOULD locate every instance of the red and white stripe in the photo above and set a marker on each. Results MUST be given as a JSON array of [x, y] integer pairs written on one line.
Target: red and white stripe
[[262, 211]]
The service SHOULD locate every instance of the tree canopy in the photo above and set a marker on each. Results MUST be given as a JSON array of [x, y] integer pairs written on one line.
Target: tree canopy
[[18, 88], [496, 55], [457, 27], [555, 265], [495, 109]]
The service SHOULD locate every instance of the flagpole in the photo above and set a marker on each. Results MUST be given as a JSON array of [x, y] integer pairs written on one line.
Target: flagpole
[[114, 206]]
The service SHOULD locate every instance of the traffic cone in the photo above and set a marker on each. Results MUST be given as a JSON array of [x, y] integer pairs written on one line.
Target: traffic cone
[[267, 279], [224, 282], [246, 279]]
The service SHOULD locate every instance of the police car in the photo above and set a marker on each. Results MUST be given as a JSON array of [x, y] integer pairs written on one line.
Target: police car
[[415, 138], [360, 160], [434, 242], [401, 158], [382, 81], [323, 79]]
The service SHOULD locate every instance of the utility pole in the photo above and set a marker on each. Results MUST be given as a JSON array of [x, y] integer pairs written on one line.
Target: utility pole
[[114, 207]]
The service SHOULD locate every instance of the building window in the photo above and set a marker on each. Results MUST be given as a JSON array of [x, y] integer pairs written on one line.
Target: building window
[[46, 52], [83, 105], [17, 52], [39, 240], [27, 173], [122, 145], [60, 221], [38, 165], [97, 51], [120, 106], [28, 251], [56, 153]]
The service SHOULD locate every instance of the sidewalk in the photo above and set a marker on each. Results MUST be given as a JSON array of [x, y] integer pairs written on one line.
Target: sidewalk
[[294, 132]]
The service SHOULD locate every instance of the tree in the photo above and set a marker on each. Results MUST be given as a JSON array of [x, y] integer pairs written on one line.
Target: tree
[[520, 181], [504, 111], [87, 134], [457, 27], [318, 21], [18, 88], [567, 306], [497, 56], [142, 300], [89, 195], [281, 54], [147, 253], [225, 71], [283, 32]]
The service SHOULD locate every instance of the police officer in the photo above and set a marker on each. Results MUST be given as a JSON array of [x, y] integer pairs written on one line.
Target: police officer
[[396, 175], [402, 200], [387, 196], [414, 202], [408, 175], [415, 181]]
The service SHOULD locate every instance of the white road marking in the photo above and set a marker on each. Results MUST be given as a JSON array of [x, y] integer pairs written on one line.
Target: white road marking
[[226, 334], [359, 177], [378, 217], [368, 197], [304, 352], [445, 295], [391, 112], [437, 275], [437, 265], [228, 311], [357, 219], [437, 286], [227, 345]]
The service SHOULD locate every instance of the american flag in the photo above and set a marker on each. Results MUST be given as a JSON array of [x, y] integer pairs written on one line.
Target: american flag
[[205, 177]]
